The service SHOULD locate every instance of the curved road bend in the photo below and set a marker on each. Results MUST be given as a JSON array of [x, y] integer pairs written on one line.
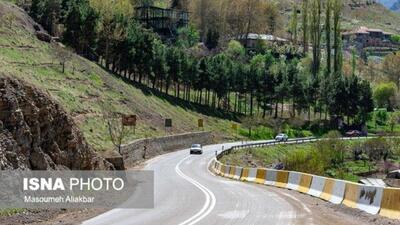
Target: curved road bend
[[186, 193]]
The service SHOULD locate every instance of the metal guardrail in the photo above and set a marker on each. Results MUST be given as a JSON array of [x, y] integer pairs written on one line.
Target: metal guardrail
[[274, 142], [264, 144]]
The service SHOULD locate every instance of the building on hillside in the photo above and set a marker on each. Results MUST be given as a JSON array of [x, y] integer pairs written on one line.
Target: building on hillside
[[251, 40], [364, 37], [165, 22]]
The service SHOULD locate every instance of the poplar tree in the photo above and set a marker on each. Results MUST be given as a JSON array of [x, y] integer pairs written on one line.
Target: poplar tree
[[337, 64], [316, 36], [293, 28], [305, 25], [328, 36]]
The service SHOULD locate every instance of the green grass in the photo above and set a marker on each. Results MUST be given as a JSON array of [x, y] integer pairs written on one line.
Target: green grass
[[11, 211], [298, 154]]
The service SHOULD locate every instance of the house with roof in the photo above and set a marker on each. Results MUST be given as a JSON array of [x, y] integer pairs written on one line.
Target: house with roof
[[364, 37], [251, 40]]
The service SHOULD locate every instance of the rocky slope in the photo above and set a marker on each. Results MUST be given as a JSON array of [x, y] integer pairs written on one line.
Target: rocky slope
[[36, 133]]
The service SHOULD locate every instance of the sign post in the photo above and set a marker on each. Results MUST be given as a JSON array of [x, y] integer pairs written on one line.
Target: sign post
[[200, 123], [129, 121], [235, 127], [168, 124]]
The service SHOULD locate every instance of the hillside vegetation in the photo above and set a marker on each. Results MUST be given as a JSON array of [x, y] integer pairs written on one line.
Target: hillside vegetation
[[84, 87], [358, 13], [355, 13]]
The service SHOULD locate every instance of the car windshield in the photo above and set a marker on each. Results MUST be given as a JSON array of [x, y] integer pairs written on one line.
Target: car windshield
[[196, 146]]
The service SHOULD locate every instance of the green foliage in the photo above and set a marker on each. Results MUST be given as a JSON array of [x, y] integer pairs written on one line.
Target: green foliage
[[381, 117], [258, 133], [80, 29], [394, 120], [395, 38], [376, 149], [268, 79], [331, 157], [212, 38], [187, 37], [235, 51], [384, 93], [48, 13], [293, 23]]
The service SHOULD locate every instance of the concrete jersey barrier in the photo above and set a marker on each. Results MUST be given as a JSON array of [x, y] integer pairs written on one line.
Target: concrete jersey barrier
[[232, 172], [271, 177], [390, 204], [261, 175], [223, 169], [293, 180], [245, 174], [317, 186], [305, 183], [252, 175], [370, 198], [227, 170], [281, 178], [333, 190], [238, 173], [351, 195]]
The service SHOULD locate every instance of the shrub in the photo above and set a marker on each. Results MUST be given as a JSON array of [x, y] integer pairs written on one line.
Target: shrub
[[376, 149], [381, 117], [384, 93]]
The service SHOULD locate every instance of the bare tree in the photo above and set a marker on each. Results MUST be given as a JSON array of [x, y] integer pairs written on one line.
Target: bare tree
[[116, 130], [63, 55]]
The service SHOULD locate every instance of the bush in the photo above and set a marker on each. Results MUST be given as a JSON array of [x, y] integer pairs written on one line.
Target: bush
[[395, 38], [258, 133], [305, 161], [384, 94], [381, 117], [376, 149]]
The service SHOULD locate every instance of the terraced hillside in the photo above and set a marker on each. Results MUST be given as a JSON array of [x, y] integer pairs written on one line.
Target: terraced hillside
[[84, 86]]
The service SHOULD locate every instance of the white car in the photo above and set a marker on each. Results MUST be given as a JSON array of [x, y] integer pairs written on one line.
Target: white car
[[196, 149], [281, 137]]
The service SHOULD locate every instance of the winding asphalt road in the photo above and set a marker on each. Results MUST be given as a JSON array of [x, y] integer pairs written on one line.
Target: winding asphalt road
[[186, 193]]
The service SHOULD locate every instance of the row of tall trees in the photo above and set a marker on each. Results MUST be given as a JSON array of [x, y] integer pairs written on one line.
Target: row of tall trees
[[266, 81]]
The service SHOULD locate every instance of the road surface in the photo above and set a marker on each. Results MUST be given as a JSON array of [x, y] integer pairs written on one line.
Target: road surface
[[186, 193]]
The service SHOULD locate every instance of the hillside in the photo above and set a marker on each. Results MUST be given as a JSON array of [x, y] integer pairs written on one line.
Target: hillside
[[85, 86], [358, 13]]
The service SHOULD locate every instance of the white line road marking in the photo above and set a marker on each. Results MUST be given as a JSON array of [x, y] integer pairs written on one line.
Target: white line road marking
[[302, 204], [297, 200], [210, 197]]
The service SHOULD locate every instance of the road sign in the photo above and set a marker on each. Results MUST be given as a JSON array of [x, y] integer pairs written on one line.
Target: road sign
[[200, 123], [129, 120], [168, 122], [234, 126]]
